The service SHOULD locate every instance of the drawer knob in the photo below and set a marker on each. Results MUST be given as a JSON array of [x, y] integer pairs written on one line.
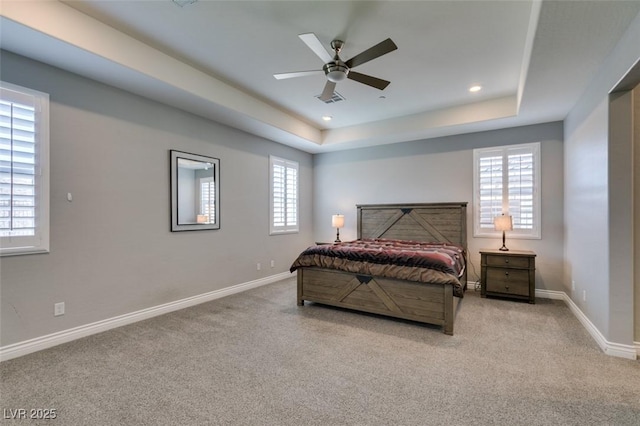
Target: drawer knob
[[506, 287], [506, 261], [506, 273]]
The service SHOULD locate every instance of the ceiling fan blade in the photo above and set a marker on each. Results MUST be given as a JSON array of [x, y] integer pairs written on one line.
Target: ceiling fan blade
[[374, 52], [284, 75], [378, 83], [314, 44], [327, 93]]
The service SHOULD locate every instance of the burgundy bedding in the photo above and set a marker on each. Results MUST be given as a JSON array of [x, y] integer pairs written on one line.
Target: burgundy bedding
[[438, 263]]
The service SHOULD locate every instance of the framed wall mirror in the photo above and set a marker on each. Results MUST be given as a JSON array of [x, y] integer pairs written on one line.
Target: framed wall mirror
[[195, 192]]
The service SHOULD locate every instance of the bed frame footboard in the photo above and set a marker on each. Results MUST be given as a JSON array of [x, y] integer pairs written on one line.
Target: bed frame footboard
[[422, 302]]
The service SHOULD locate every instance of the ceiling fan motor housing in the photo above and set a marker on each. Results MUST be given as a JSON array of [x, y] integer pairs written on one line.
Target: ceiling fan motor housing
[[336, 70]]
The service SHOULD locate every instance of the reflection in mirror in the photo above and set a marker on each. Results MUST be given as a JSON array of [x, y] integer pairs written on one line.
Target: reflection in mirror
[[194, 192]]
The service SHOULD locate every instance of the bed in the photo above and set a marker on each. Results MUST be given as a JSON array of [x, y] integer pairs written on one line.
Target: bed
[[426, 297]]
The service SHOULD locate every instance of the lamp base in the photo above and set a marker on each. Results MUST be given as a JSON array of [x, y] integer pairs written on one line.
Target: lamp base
[[338, 236], [504, 247]]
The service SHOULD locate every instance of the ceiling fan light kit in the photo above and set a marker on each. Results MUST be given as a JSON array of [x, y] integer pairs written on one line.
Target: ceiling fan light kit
[[336, 70]]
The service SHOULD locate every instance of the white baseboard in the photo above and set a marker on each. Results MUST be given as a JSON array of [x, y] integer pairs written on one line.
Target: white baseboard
[[609, 348], [39, 343]]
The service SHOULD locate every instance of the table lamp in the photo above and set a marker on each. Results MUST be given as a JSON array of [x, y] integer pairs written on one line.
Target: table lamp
[[337, 221], [503, 223]]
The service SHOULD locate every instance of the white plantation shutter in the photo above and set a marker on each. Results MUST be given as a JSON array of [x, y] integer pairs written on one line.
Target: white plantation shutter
[[284, 195], [490, 169], [521, 189], [208, 199], [17, 169], [24, 191], [506, 180], [278, 193]]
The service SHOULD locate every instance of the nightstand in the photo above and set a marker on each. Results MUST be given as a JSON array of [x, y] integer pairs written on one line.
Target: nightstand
[[508, 274]]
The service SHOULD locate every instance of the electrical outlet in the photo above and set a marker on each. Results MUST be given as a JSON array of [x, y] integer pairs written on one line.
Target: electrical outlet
[[584, 295], [273, 263], [573, 285], [258, 266], [58, 309]]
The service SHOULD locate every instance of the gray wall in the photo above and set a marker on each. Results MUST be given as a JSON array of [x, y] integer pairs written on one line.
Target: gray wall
[[437, 170], [636, 209], [111, 249], [620, 178], [586, 215], [598, 175]]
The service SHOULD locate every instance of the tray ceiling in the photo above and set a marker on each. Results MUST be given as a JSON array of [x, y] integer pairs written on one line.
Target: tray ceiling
[[217, 59]]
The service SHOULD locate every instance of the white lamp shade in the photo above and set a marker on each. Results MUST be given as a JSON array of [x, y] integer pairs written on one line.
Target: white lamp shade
[[503, 223], [337, 220]]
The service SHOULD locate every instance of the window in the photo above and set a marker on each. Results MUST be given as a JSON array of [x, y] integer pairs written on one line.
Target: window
[[24, 170], [283, 178], [507, 180]]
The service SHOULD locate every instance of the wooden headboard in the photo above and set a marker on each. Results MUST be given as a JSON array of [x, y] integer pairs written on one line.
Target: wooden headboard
[[441, 222]]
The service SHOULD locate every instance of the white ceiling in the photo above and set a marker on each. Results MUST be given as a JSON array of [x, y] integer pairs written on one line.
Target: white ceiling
[[217, 59]]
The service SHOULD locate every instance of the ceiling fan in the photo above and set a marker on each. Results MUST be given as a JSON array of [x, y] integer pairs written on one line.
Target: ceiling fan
[[337, 70]]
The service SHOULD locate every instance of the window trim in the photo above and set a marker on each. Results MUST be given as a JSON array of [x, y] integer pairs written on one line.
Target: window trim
[[292, 229], [536, 231], [39, 243]]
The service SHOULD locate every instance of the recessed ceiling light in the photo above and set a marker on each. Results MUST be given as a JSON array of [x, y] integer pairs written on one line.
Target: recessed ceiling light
[[327, 117], [475, 88]]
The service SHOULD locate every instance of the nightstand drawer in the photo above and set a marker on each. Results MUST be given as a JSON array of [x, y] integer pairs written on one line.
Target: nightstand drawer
[[507, 261], [508, 281]]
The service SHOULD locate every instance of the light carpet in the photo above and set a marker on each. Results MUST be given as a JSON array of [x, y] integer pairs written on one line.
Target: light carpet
[[256, 358]]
